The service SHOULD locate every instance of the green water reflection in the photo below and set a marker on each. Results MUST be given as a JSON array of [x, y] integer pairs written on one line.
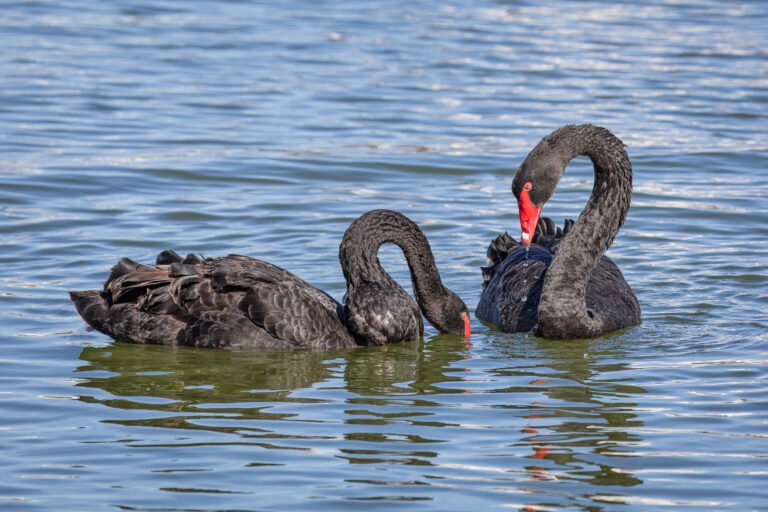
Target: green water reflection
[[552, 412], [588, 417]]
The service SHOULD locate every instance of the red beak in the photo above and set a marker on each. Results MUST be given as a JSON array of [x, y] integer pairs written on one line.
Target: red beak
[[529, 216], [467, 330]]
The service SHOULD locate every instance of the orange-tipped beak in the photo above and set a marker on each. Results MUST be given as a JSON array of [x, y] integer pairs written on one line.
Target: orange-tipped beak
[[467, 329], [529, 216]]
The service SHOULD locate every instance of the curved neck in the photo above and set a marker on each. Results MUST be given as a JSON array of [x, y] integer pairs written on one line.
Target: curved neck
[[359, 249], [563, 304]]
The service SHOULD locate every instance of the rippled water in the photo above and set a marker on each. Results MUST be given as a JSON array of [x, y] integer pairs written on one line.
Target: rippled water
[[264, 129]]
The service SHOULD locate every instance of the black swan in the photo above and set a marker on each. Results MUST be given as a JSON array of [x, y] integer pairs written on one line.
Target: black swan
[[242, 303], [557, 282]]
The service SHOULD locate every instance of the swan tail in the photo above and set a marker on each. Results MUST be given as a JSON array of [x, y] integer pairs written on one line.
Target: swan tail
[[135, 305], [126, 322], [92, 307]]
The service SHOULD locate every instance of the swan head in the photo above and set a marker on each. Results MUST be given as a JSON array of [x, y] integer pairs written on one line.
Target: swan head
[[534, 184], [449, 315]]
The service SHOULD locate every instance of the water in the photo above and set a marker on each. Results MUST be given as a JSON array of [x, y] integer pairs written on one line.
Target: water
[[265, 128]]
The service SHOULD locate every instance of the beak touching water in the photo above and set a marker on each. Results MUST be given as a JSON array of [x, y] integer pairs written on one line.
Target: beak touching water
[[529, 216]]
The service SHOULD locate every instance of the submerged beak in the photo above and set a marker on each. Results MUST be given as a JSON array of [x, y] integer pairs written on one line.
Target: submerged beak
[[529, 216], [467, 330]]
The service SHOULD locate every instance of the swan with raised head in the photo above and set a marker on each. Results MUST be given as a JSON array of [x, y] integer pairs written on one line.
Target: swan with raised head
[[557, 282], [240, 302]]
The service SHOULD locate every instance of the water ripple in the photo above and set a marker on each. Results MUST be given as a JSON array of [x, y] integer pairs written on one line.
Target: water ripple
[[264, 129]]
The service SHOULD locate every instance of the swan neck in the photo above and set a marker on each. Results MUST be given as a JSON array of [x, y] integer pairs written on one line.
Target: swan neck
[[565, 284], [359, 249]]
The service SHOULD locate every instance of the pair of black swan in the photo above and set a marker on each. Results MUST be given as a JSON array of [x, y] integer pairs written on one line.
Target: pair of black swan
[[555, 282]]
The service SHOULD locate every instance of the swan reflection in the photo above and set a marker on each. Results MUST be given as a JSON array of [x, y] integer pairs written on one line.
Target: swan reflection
[[516, 413]]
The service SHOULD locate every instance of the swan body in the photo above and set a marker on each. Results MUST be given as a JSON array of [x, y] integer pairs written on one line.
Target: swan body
[[558, 282], [242, 303]]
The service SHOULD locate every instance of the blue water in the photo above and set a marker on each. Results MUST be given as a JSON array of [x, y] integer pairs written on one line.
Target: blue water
[[264, 128]]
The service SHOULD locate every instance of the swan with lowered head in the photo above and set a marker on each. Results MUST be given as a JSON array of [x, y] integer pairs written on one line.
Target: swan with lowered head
[[558, 282], [244, 303]]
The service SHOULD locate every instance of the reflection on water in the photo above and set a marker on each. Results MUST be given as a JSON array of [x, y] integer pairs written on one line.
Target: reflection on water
[[199, 385], [587, 418], [563, 411]]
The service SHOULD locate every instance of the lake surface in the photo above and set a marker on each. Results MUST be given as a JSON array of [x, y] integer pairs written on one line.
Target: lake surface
[[264, 128]]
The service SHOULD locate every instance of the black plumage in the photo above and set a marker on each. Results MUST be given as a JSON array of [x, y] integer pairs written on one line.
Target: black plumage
[[241, 302], [563, 286]]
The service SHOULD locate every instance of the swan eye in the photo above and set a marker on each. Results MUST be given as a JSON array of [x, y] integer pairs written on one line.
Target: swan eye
[[527, 186]]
